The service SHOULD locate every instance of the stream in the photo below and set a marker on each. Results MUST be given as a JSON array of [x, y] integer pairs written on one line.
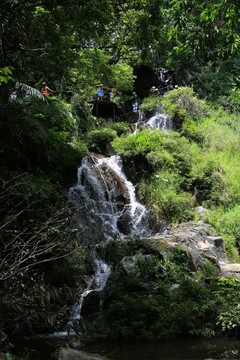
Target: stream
[[111, 206], [176, 349]]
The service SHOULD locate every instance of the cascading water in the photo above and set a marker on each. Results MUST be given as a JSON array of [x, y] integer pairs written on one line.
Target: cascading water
[[108, 203], [109, 198], [159, 121], [97, 284]]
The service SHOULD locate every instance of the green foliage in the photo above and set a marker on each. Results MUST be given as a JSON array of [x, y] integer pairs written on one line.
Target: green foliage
[[81, 111], [218, 81], [167, 156], [183, 104], [67, 270], [209, 270], [229, 321], [163, 191], [42, 137], [99, 140], [5, 75], [151, 103], [93, 67], [227, 224], [120, 127], [41, 145], [192, 23], [229, 315], [231, 102], [162, 301]]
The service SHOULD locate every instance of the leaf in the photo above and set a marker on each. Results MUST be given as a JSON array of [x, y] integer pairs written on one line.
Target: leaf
[[30, 91]]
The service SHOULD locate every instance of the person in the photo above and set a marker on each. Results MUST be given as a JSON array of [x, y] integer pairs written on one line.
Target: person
[[135, 104], [111, 95], [100, 93], [153, 89], [45, 90], [13, 96]]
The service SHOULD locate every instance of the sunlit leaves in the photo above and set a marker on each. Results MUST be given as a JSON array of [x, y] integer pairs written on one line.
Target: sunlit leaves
[[5, 75]]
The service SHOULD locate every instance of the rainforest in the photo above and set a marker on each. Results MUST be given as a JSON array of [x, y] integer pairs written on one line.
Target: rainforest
[[119, 186]]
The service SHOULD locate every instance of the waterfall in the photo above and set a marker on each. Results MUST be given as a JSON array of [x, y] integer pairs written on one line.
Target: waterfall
[[97, 284], [159, 121], [101, 274], [107, 203], [109, 198]]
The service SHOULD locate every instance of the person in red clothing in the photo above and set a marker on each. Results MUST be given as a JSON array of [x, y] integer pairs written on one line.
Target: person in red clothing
[[45, 90]]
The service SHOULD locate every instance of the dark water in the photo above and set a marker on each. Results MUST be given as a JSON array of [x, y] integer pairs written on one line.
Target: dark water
[[181, 349], [176, 349]]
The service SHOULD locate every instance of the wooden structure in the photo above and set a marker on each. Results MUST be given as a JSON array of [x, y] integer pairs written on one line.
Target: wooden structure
[[105, 109]]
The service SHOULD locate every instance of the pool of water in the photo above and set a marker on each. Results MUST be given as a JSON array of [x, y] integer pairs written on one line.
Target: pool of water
[[181, 349], [43, 348]]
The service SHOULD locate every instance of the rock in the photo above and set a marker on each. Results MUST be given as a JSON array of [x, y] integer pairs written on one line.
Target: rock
[[131, 263], [91, 303], [230, 270], [193, 240], [123, 223], [71, 354], [201, 211]]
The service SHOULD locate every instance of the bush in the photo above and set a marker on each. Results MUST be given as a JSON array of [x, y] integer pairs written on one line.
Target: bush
[[120, 127], [163, 192], [227, 223], [182, 104], [99, 140]]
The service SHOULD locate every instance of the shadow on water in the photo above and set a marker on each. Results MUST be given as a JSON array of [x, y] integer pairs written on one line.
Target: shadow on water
[[181, 349], [44, 348]]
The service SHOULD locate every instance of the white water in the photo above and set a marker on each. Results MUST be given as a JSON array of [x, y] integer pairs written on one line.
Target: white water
[[101, 182], [160, 121], [136, 210], [97, 284]]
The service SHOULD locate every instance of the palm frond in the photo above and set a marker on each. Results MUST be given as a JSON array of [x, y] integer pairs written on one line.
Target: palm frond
[[30, 91]]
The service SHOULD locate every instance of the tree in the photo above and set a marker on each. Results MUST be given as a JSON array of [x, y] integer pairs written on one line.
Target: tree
[[204, 30]]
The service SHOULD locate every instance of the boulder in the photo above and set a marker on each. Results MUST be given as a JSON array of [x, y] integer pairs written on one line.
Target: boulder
[[131, 264], [193, 240], [71, 354], [91, 303], [230, 270]]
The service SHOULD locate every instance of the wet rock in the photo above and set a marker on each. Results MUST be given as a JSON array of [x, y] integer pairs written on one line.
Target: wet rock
[[91, 303], [71, 354], [123, 223], [130, 265]]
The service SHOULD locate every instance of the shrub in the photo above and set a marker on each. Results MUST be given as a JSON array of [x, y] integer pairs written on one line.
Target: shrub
[[99, 140], [182, 104], [226, 222], [120, 127], [163, 192], [151, 103]]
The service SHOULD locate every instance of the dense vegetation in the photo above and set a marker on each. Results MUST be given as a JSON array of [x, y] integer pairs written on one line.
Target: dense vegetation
[[77, 46]]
